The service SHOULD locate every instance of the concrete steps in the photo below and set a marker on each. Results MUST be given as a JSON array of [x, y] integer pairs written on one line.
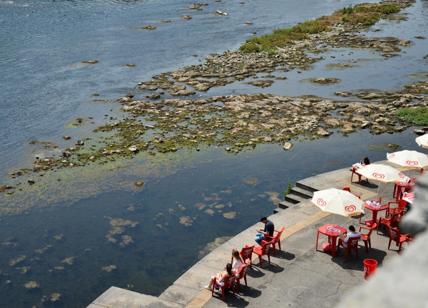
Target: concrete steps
[[299, 193]]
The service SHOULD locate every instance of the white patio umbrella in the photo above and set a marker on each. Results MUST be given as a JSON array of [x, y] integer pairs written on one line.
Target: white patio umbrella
[[422, 141], [406, 158], [381, 173], [338, 201]]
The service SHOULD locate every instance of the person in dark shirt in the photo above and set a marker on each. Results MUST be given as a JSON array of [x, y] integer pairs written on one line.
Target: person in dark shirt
[[267, 232]]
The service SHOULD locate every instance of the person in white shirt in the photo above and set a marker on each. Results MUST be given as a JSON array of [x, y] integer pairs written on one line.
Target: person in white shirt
[[236, 261], [350, 234]]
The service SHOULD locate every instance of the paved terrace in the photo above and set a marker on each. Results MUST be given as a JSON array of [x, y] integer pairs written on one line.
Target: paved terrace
[[298, 276]]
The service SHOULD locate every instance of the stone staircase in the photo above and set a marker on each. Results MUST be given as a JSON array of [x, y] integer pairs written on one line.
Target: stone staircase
[[300, 192]]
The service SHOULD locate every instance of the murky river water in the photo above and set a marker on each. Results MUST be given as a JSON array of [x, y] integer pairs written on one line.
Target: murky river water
[[76, 245]]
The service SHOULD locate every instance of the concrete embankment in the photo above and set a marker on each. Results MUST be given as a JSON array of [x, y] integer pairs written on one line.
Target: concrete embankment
[[300, 219]]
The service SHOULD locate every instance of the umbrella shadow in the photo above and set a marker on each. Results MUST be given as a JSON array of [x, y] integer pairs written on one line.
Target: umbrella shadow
[[366, 184], [356, 263]]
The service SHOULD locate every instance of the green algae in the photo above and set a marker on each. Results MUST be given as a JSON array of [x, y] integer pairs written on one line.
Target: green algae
[[362, 15], [414, 115]]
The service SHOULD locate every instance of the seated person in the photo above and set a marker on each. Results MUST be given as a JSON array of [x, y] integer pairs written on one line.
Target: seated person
[[267, 232], [364, 162], [237, 261], [220, 277], [344, 239]]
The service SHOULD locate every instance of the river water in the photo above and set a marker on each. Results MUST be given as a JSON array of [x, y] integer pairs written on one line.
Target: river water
[[63, 242]]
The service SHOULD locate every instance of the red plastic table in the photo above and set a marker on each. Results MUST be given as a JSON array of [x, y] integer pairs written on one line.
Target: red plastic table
[[333, 232], [375, 209]]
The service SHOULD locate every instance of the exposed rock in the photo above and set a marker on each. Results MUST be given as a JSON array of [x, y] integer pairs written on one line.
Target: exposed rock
[[139, 183], [149, 27], [90, 61], [66, 137], [287, 146], [322, 132], [133, 148], [325, 81], [261, 83], [197, 6], [221, 13]]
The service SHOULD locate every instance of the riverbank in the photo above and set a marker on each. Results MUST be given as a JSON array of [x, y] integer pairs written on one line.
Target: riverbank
[[300, 221], [161, 123]]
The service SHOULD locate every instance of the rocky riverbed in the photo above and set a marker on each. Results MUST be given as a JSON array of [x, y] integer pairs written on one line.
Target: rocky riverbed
[[172, 112]]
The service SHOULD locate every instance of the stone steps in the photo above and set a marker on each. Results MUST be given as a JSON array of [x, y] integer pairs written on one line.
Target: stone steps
[[299, 193]]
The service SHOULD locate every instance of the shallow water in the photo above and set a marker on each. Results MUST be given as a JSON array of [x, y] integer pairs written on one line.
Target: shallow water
[[163, 248], [45, 85]]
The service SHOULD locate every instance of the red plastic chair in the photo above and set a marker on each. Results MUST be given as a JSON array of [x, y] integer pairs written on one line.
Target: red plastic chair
[[246, 254], [263, 250], [351, 245], [276, 239], [398, 209], [365, 237], [241, 274], [395, 235], [400, 188], [229, 282]]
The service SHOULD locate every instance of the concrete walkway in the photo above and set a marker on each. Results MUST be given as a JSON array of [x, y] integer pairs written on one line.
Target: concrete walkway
[[298, 276]]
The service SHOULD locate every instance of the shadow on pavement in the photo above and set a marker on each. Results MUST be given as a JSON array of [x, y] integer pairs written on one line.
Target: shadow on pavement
[[248, 291], [272, 267], [254, 272], [366, 184], [233, 300], [283, 255], [355, 263]]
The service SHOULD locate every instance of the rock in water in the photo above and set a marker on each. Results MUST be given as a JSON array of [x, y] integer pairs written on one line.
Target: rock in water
[[287, 146], [139, 183], [90, 61], [31, 285]]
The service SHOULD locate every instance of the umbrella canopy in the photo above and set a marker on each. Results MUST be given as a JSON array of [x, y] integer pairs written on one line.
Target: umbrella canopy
[[422, 141], [381, 173], [407, 158], [338, 201]]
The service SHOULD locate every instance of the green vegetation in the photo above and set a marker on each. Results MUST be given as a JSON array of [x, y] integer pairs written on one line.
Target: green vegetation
[[361, 14], [289, 188], [415, 116]]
